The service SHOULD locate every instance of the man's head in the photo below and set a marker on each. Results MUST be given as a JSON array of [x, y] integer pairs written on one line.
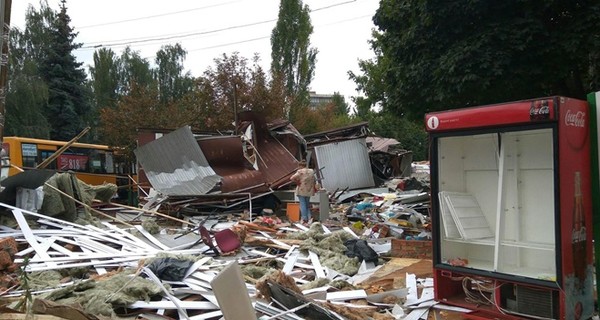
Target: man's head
[[302, 164]]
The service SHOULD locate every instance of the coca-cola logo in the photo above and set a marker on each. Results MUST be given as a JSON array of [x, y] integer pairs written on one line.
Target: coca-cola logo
[[539, 110], [433, 122], [575, 128], [575, 119]]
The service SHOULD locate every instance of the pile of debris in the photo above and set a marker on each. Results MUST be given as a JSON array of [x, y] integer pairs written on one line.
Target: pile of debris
[[212, 236], [207, 269]]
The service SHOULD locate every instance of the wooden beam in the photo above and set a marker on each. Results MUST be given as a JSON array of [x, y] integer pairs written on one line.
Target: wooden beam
[[62, 149]]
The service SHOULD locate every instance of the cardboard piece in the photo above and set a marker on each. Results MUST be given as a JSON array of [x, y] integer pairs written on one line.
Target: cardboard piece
[[230, 289]]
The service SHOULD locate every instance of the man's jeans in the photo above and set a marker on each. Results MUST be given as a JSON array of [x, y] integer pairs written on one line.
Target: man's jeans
[[304, 208]]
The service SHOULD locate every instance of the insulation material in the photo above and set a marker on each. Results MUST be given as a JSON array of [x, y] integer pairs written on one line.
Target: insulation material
[[329, 247], [56, 204], [102, 296]]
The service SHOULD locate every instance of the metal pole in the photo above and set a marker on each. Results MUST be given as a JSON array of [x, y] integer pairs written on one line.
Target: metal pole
[[5, 23], [5, 8]]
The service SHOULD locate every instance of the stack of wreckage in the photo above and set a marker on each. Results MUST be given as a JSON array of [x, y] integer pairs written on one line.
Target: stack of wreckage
[[213, 236]]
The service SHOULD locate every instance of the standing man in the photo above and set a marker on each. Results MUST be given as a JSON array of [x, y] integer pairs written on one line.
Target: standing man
[[305, 188]]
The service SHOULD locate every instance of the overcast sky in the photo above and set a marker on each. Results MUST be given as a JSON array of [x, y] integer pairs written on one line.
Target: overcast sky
[[209, 28]]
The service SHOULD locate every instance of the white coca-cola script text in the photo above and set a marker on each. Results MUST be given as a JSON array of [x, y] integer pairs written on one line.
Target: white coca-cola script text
[[575, 119]]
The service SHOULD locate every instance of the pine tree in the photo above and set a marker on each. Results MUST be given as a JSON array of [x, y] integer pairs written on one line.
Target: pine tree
[[68, 109]]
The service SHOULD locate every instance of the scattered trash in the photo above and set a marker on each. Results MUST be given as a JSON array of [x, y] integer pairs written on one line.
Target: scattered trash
[[229, 249]]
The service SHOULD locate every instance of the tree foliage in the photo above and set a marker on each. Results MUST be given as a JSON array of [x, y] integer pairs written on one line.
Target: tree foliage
[[133, 71], [68, 109], [173, 83], [291, 55], [27, 92], [433, 55], [231, 85], [105, 78], [141, 108]]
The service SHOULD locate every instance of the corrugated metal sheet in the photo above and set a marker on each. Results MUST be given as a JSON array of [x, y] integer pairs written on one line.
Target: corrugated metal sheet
[[345, 164], [225, 155], [175, 165]]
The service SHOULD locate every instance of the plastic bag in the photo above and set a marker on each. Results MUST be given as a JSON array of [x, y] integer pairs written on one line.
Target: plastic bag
[[360, 248], [170, 269]]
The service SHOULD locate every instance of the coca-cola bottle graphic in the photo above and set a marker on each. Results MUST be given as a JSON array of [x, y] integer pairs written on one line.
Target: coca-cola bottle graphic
[[539, 110], [579, 237]]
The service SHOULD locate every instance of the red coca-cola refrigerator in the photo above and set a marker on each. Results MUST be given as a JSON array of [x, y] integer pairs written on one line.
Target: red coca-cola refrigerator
[[511, 209]]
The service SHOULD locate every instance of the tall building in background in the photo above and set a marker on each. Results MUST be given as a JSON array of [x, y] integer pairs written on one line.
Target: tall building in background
[[317, 100]]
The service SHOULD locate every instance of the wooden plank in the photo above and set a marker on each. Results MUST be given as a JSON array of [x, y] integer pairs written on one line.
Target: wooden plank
[[281, 244], [45, 244], [301, 227], [196, 283], [346, 295], [39, 249], [290, 251], [169, 305], [126, 234], [99, 270], [297, 264], [411, 284], [197, 290], [99, 247], [84, 264], [207, 315], [23, 316], [347, 229], [151, 238], [416, 314], [314, 258], [120, 241], [290, 262], [196, 265]]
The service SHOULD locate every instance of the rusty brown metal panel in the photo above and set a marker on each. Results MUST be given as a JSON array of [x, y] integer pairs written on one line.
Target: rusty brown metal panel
[[275, 161], [225, 155]]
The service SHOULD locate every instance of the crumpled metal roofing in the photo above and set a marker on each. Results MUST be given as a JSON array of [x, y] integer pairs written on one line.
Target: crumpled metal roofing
[[381, 144], [176, 166]]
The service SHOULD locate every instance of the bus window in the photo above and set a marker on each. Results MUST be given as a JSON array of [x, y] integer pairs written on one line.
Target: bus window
[[45, 154], [30, 154], [109, 165], [97, 160]]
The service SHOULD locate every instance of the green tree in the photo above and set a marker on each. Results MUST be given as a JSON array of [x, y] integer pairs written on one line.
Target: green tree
[[371, 82], [173, 83], [133, 70], [340, 106], [436, 54], [105, 78], [68, 110], [235, 85], [27, 92], [291, 55], [410, 134]]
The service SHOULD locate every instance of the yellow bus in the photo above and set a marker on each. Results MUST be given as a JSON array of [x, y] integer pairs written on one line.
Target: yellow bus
[[93, 164]]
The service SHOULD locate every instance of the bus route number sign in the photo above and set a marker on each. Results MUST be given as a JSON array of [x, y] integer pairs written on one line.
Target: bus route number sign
[[72, 162]]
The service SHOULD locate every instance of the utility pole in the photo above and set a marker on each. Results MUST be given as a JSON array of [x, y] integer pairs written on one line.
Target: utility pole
[[5, 8]]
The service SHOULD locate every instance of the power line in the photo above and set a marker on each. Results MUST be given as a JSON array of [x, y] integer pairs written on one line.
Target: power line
[[98, 44], [156, 16], [267, 37], [235, 42], [178, 36]]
